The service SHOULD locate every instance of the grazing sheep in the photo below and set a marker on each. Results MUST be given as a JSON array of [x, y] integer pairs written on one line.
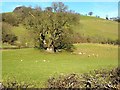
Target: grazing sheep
[[26, 44], [93, 54], [80, 53], [21, 60], [44, 60]]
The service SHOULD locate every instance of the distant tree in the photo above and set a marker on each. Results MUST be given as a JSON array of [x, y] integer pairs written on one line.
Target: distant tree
[[116, 19], [71, 11], [7, 35], [48, 9], [59, 7], [10, 18], [118, 42], [38, 8], [90, 13], [97, 16], [54, 6], [107, 17]]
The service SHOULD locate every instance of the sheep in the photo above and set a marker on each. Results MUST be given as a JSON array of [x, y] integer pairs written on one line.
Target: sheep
[[80, 53], [44, 60]]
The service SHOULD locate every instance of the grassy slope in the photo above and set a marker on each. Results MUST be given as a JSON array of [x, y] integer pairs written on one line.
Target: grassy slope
[[92, 26], [89, 26], [34, 67], [23, 34]]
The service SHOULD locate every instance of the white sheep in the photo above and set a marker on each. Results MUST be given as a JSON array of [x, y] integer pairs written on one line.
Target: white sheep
[[44, 60], [80, 53]]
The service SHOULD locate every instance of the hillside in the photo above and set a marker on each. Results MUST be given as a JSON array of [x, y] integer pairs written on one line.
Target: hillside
[[89, 29], [89, 26], [97, 27]]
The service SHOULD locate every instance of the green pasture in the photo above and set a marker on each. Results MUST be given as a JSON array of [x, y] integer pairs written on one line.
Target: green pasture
[[33, 65], [97, 28]]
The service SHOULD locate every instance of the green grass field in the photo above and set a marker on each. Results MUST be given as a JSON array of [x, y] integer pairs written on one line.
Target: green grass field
[[97, 27], [33, 65]]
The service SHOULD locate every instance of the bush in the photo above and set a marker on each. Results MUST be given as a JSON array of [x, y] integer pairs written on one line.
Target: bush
[[97, 79], [12, 83], [10, 18], [7, 35], [69, 81], [10, 38]]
